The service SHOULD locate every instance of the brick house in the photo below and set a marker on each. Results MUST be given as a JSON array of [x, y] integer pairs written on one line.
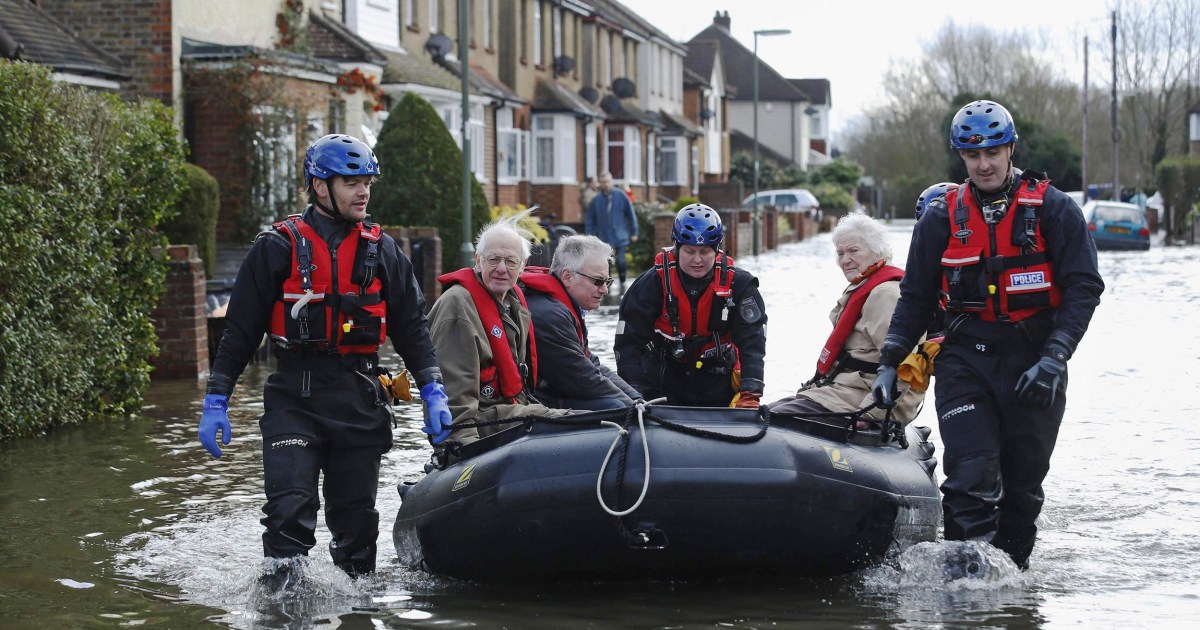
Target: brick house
[[27, 33]]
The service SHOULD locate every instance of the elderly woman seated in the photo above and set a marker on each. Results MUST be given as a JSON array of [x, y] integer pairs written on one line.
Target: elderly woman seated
[[847, 363], [483, 332]]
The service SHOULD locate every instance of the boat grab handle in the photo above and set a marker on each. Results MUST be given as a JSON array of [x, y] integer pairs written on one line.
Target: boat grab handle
[[622, 432]]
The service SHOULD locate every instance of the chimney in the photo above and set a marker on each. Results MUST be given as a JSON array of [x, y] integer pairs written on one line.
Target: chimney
[[721, 21]]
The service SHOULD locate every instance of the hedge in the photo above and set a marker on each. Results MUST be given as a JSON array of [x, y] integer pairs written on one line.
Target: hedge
[[421, 177], [84, 181], [196, 220]]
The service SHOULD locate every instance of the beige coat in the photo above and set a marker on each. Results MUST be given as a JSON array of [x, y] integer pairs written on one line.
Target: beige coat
[[462, 349], [852, 390]]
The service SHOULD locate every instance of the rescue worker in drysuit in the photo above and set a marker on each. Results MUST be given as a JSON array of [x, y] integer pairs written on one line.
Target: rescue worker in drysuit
[[329, 287], [1013, 259], [693, 327]]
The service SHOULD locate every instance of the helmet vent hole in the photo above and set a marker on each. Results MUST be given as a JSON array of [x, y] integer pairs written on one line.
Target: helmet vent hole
[[352, 165]]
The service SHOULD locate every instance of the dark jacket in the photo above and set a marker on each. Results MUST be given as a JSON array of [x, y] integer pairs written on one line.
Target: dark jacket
[[564, 370], [1068, 244], [260, 280], [643, 358]]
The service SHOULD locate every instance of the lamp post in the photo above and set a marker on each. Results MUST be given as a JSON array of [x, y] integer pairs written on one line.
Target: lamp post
[[467, 250], [757, 220]]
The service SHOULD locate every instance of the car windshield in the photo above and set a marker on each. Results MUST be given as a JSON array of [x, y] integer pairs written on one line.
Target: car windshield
[[786, 200], [1114, 214]]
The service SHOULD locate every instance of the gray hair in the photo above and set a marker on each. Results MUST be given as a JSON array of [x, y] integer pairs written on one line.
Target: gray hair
[[510, 225], [574, 251], [872, 232]]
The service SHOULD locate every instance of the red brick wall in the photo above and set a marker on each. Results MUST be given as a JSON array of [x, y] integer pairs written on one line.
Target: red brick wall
[[180, 319], [560, 199], [508, 195], [218, 142], [138, 32]]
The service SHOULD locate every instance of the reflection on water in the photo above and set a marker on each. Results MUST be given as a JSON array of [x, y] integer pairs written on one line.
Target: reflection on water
[[131, 523]]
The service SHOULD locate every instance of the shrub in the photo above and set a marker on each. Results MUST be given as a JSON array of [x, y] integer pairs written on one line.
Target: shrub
[[639, 256], [87, 180], [682, 203], [421, 181], [1178, 180], [196, 221]]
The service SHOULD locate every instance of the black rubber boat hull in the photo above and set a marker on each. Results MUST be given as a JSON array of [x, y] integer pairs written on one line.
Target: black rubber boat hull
[[792, 503]]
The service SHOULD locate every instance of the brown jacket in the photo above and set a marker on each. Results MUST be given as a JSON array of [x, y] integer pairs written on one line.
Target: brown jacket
[[462, 350], [852, 390]]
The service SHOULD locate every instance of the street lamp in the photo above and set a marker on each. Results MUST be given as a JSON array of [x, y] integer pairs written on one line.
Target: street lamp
[[757, 221]]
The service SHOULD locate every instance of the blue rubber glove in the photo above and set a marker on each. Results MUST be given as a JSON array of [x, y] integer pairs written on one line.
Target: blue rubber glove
[[215, 418], [1038, 386], [884, 388], [437, 412]]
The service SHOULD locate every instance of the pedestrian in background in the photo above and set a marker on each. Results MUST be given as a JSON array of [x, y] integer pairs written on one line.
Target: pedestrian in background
[[611, 218]]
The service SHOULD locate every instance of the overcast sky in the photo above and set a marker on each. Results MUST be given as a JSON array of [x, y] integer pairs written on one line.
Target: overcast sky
[[852, 42]]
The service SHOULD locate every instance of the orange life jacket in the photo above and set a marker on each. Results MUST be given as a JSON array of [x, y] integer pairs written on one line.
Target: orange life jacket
[[1000, 271], [504, 375], [332, 300], [695, 333], [851, 313]]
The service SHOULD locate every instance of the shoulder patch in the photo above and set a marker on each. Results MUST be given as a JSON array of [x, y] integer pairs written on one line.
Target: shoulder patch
[[749, 311]]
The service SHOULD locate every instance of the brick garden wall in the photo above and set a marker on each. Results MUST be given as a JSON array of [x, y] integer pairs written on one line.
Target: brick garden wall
[[180, 320]]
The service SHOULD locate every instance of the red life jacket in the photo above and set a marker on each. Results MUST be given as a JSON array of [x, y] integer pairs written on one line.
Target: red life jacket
[[851, 313], [1000, 271], [332, 300], [504, 374], [678, 322], [540, 279]]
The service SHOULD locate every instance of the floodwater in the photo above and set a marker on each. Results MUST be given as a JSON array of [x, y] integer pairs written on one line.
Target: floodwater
[[131, 524]]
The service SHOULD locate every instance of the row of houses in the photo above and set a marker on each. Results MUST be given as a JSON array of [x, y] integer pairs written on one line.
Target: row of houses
[[560, 90]]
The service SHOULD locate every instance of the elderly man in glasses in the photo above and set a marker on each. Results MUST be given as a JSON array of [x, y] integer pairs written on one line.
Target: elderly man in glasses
[[569, 376], [483, 332]]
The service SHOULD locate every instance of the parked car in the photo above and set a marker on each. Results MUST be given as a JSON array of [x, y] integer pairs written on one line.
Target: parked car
[[787, 200], [1117, 225]]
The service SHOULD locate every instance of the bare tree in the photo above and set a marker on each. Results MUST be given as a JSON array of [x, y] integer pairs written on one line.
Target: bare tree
[[1158, 63]]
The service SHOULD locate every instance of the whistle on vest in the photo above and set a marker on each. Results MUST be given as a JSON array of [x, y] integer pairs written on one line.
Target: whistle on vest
[[346, 327]]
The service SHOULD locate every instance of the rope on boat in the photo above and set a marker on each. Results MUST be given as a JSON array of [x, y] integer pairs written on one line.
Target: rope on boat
[[622, 433]]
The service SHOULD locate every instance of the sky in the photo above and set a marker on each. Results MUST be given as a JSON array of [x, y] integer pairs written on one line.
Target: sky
[[852, 42]]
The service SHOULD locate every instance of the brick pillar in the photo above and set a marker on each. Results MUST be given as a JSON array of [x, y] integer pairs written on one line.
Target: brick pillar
[[180, 319]]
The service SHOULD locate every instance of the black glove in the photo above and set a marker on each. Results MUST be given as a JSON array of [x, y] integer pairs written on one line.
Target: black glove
[[884, 389], [1038, 386]]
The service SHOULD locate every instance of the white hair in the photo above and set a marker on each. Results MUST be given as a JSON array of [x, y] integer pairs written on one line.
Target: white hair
[[575, 251], [872, 232], [506, 226]]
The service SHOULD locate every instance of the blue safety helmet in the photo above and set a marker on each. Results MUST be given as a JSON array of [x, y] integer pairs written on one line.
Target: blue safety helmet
[[982, 124], [698, 224], [931, 193], [338, 154]]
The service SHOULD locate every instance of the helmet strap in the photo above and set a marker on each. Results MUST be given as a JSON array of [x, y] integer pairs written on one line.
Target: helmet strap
[[334, 212]]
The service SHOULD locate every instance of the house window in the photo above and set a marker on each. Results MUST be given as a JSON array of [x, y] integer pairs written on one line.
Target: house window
[[273, 180], [556, 24], [1194, 133], [537, 33], [651, 163], [607, 52], [695, 170], [814, 125], [672, 161], [487, 23], [510, 154], [410, 12], [624, 153], [553, 149], [589, 150], [451, 114], [433, 16]]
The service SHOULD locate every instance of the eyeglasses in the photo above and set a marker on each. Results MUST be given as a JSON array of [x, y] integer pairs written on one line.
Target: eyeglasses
[[511, 263], [596, 281]]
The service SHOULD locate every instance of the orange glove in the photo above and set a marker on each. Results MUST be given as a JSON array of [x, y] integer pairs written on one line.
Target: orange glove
[[746, 400]]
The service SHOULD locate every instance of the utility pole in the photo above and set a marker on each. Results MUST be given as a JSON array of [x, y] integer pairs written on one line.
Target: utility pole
[[1116, 130], [467, 249], [1083, 163]]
